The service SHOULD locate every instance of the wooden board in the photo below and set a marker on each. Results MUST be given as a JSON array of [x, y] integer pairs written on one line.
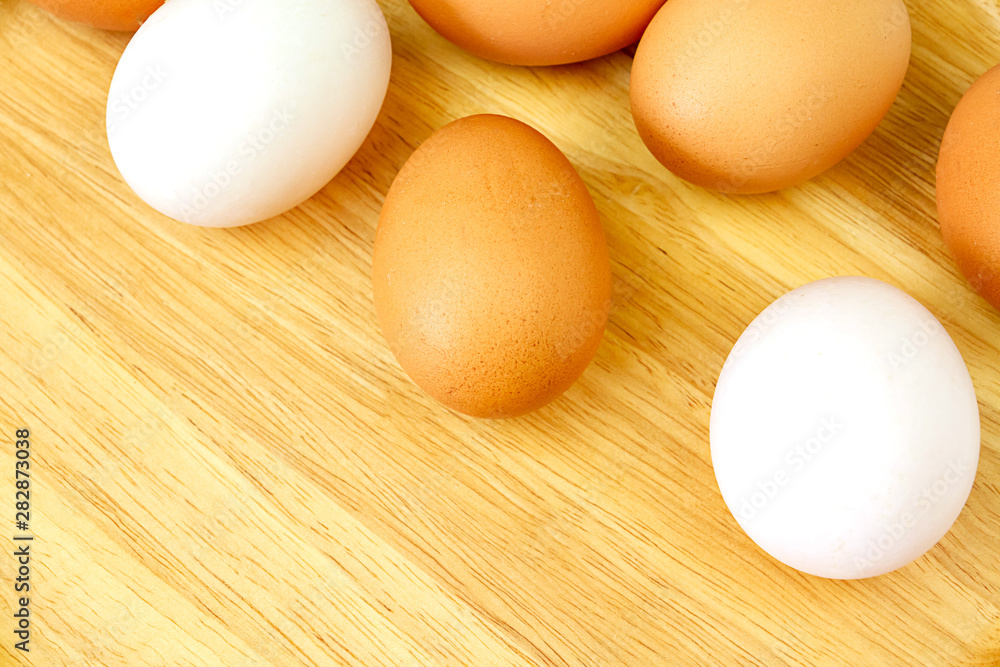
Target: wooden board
[[229, 468]]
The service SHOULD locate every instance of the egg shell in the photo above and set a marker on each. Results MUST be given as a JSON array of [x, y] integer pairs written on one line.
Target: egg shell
[[845, 430], [750, 97], [539, 32], [491, 276], [968, 185], [225, 114], [125, 15]]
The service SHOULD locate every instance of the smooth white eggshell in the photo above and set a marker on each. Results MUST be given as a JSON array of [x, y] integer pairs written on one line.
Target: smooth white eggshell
[[227, 113], [845, 429]]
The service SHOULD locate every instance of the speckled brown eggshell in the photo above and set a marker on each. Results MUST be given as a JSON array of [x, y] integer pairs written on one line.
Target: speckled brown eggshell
[[539, 32], [126, 15], [491, 275], [754, 96], [968, 185]]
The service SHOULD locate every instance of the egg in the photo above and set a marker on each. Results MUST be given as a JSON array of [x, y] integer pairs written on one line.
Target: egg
[[491, 276], [968, 185], [750, 97], [105, 14], [539, 32], [845, 429], [228, 113]]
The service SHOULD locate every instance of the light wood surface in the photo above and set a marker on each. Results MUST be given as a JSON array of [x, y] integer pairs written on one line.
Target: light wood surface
[[230, 468]]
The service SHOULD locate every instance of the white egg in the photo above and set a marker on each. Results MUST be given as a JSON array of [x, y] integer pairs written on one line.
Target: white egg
[[229, 112], [845, 429]]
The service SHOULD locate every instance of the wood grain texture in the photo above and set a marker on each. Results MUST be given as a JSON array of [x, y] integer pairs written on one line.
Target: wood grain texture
[[231, 469]]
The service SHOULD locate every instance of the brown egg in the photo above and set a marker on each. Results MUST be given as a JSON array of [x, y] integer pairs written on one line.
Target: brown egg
[[491, 274], [749, 96], [968, 185], [539, 32], [105, 14]]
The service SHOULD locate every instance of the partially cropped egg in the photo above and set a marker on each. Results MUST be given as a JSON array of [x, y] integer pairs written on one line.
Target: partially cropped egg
[[491, 275], [539, 32], [968, 185], [106, 14], [226, 114], [754, 96], [845, 429]]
